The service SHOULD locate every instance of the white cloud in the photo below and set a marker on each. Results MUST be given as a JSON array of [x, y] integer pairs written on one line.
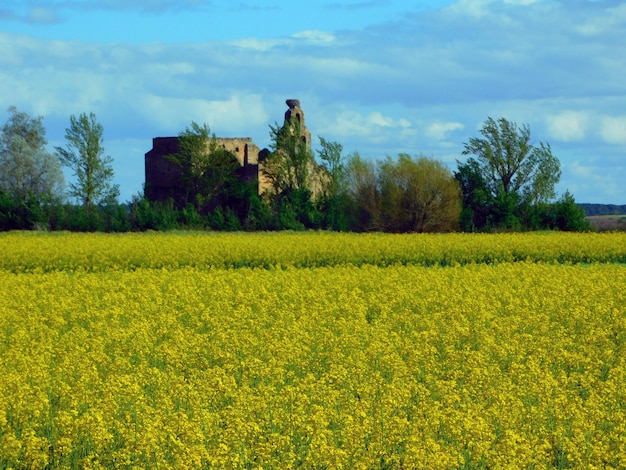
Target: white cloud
[[568, 126], [314, 36], [230, 117], [377, 119], [259, 45], [371, 127], [307, 37], [438, 130], [590, 182], [613, 129]]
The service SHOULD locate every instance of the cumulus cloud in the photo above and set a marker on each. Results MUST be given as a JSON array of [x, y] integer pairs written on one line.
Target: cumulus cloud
[[314, 36], [613, 129], [568, 126], [298, 39], [439, 130], [372, 127], [223, 116]]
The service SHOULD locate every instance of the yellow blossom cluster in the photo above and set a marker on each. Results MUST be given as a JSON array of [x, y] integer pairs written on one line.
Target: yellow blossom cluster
[[112, 355], [42, 252]]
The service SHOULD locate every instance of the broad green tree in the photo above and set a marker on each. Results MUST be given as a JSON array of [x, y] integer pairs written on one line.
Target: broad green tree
[[476, 196], [207, 169], [290, 161], [333, 201], [293, 177], [362, 184], [334, 166], [509, 163], [27, 169], [84, 155], [405, 194], [418, 195]]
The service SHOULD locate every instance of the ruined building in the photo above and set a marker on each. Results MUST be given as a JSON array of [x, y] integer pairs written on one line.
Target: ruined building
[[163, 177]]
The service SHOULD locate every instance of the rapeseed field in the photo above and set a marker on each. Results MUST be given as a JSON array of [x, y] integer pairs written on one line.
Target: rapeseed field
[[312, 350]]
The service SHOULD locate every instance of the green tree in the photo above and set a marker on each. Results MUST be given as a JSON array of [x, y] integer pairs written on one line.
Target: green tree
[[476, 197], [509, 163], [208, 170], [84, 155], [27, 169], [290, 161], [333, 202], [405, 194], [418, 195], [362, 187], [568, 216], [334, 166], [293, 176]]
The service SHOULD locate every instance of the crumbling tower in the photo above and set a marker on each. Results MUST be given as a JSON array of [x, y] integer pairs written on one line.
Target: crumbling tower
[[294, 117]]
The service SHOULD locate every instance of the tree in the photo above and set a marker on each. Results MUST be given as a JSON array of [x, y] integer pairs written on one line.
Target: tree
[[405, 194], [568, 216], [476, 197], [208, 170], [84, 155], [288, 165], [333, 203], [293, 175], [362, 185], [509, 163], [418, 195], [27, 169], [333, 164]]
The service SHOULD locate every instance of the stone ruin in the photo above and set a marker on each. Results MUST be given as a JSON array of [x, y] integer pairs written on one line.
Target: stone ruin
[[163, 177]]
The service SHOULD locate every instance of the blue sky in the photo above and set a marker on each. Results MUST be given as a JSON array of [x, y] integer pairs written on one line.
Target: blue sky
[[379, 76]]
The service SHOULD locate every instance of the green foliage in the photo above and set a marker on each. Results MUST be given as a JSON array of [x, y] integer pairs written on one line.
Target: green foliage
[[509, 163], [21, 213], [362, 182], [146, 215], [405, 194], [510, 184], [208, 170], [476, 198], [84, 155], [288, 165], [27, 169], [292, 172], [507, 186], [334, 204], [568, 216]]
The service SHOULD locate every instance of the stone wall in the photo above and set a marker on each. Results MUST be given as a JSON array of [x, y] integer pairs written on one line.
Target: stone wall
[[163, 178]]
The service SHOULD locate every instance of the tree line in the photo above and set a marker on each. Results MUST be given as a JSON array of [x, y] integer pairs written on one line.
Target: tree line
[[506, 183]]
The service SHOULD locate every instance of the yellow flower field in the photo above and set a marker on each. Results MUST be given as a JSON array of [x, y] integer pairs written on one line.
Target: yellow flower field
[[312, 350]]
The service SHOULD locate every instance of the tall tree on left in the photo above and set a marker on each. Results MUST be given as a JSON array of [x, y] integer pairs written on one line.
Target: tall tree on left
[[27, 169], [84, 155]]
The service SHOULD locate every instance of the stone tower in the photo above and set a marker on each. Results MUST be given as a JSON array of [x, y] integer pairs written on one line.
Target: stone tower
[[295, 114]]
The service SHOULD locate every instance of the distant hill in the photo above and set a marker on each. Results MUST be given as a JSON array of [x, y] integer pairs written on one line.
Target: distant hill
[[602, 209]]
